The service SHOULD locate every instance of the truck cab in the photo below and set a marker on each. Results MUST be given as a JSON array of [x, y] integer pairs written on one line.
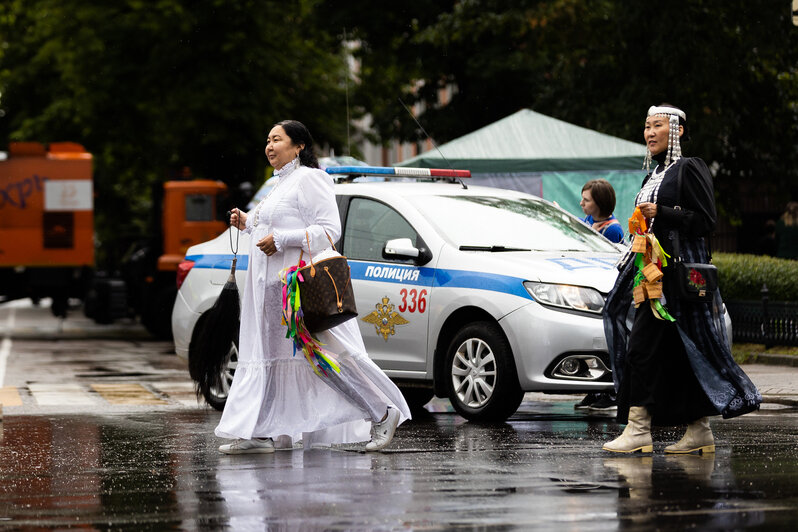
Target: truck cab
[[47, 237], [46, 222], [191, 212]]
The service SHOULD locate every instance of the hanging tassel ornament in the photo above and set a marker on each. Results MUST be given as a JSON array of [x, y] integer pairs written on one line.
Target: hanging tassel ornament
[[218, 334]]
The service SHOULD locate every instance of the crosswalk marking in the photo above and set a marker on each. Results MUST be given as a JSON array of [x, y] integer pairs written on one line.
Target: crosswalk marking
[[182, 392], [127, 394], [96, 394], [56, 394], [9, 396]]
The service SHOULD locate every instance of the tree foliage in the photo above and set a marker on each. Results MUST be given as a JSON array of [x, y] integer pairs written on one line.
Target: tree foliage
[[151, 87], [731, 64]]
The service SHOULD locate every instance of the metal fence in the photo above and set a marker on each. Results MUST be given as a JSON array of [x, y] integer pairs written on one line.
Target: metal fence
[[764, 322]]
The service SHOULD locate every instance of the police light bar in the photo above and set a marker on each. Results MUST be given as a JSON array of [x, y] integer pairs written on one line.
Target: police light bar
[[387, 171]]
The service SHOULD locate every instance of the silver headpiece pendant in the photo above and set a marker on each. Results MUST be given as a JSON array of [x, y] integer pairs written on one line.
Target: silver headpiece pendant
[[674, 146]]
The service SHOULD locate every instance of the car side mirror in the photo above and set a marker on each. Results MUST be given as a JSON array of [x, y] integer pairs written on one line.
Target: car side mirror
[[403, 248]]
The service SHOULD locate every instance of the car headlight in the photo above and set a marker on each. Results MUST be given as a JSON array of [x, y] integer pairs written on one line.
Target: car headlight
[[566, 296]]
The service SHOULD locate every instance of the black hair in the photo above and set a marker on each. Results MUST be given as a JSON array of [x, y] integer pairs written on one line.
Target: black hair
[[300, 135]]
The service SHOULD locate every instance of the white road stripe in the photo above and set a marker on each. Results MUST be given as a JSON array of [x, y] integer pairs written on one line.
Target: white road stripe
[[55, 394], [5, 350], [5, 345]]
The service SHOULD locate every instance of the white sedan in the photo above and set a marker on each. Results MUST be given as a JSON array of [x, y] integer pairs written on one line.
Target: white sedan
[[472, 293]]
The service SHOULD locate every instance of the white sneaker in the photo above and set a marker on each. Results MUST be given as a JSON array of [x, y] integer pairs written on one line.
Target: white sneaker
[[382, 432], [242, 446]]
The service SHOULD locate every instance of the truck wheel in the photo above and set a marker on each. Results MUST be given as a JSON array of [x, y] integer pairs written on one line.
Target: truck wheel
[[482, 381], [217, 398], [157, 315], [59, 306]]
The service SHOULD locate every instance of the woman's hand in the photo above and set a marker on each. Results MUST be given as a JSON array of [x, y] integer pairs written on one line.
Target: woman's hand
[[238, 219], [649, 210], [266, 244]]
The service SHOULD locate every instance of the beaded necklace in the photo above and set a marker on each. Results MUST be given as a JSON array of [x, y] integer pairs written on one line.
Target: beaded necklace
[[650, 191], [281, 175]]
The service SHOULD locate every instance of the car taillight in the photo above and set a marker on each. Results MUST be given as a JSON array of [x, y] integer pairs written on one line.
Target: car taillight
[[182, 270]]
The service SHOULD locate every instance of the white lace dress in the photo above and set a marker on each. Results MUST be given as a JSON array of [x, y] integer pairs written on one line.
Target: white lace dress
[[274, 393]]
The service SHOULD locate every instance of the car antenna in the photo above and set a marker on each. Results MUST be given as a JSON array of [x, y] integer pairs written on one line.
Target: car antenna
[[430, 139], [348, 141]]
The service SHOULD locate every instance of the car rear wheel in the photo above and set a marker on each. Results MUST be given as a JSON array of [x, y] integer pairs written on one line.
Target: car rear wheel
[[482, 382], [217, 396]]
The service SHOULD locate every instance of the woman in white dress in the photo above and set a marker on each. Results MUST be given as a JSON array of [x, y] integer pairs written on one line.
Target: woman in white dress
[[275, 396]]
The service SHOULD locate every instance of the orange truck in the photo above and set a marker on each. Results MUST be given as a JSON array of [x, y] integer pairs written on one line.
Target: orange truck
[[47, 239]]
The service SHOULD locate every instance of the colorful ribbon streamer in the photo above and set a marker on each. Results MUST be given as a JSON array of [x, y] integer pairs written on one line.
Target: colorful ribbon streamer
[[320, 360], [652, 253]]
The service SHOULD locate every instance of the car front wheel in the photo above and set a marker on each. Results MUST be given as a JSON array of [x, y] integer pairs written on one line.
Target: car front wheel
[[481, 377]]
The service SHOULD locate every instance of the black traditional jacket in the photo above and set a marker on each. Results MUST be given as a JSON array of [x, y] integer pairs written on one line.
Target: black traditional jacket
[[690, 217]]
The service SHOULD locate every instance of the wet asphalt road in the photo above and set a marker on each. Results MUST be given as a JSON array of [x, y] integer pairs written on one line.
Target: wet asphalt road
[[541, 470], [106, 435]]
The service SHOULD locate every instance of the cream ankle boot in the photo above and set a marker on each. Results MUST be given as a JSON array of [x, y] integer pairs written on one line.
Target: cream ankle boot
[[636, 436], [697, 438]]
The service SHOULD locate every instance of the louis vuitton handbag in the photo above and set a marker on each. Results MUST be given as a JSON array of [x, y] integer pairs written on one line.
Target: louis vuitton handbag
[[325, 290]]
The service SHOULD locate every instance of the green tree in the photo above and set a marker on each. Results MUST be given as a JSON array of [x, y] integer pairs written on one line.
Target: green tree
[[731, 64], [151, 87]]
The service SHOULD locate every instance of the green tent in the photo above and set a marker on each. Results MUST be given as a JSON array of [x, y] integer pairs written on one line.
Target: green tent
[[544, 156]]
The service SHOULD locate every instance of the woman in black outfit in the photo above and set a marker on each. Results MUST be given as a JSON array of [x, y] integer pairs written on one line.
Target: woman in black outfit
[[673, 372]]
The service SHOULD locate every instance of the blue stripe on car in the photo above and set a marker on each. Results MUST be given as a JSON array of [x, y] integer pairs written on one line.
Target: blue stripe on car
[[390, 273], [219, 261], [481, 281]]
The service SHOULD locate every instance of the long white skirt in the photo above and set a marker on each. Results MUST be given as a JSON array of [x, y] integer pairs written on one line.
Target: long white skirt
[[277, 395]]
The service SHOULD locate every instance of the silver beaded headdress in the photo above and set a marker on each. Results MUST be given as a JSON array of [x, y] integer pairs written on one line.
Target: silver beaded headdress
[[674, 146]]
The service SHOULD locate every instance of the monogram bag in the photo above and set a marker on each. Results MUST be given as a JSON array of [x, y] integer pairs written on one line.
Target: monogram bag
[[325, 290]]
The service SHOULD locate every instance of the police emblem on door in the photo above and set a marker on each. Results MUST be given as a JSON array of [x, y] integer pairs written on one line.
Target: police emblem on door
[[385, 318]]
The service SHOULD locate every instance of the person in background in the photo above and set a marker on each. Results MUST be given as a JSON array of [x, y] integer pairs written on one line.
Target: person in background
[[674, 367], [598, 203], [767, 244], [277, 397], [787, 232]]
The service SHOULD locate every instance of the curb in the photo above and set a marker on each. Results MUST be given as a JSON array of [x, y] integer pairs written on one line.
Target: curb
[[79, 334], [772, 359], [786, 400]]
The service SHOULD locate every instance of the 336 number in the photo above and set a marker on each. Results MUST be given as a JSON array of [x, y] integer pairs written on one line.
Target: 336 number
[[413, 300]]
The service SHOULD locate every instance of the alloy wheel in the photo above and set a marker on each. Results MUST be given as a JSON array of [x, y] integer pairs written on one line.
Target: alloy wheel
[[474, 373]]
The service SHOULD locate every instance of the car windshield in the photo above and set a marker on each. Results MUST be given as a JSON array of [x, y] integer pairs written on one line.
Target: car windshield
[[493, 223]]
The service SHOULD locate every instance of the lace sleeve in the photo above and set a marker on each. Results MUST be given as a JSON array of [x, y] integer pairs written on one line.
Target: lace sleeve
[[319, 211]]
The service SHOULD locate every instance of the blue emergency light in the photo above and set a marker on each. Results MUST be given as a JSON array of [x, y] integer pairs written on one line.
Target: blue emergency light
[[388, 171]]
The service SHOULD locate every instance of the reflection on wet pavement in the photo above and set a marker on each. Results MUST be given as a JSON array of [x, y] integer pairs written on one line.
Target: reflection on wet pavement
[[543, 469]]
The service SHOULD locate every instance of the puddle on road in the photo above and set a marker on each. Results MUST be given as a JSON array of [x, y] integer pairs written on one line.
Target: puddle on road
[[161, 471]]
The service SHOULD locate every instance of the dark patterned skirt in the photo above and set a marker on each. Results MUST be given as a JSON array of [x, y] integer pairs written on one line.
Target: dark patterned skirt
[[680, 371]]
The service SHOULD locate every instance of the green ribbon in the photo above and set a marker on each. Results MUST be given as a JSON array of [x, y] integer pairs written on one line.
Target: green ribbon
[[656, 306]]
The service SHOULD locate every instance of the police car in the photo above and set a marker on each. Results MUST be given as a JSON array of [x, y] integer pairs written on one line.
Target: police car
[[472, 293]]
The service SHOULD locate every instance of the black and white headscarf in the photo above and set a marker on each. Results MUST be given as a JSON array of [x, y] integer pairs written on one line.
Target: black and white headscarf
[[673, 115]]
